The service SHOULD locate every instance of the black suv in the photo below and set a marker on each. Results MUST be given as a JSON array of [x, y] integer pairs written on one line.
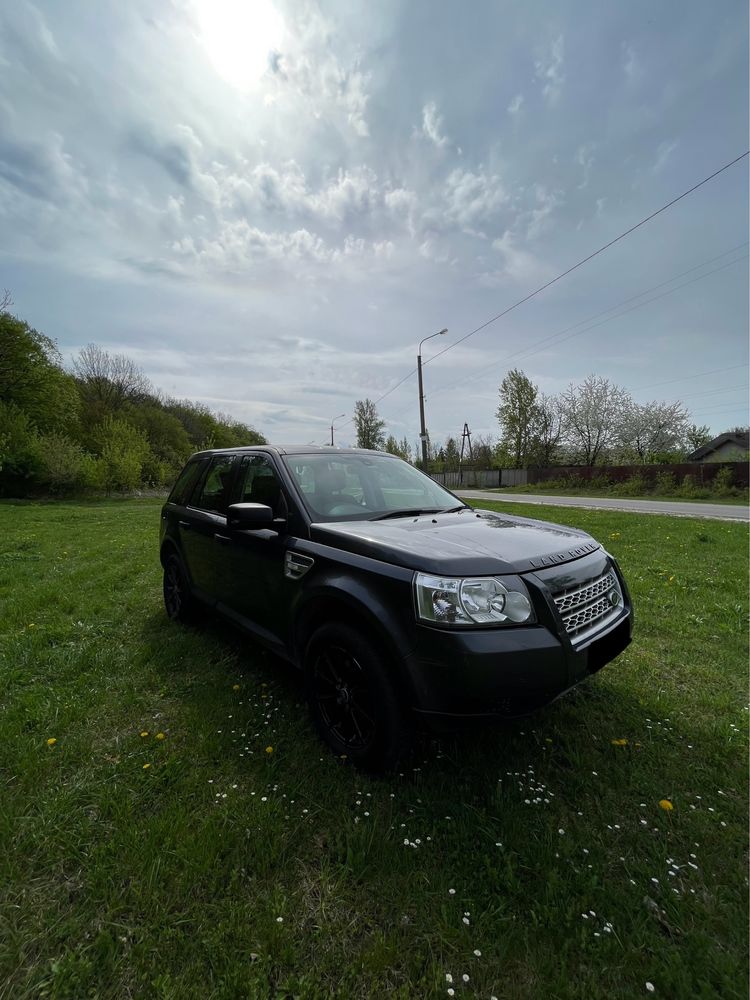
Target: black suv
[[399, 602]]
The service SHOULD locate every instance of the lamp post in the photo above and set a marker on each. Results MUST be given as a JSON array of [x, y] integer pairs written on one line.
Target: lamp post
[[333, 420], [422, 430]]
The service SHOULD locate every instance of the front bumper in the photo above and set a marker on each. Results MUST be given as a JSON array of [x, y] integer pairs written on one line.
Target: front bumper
[[467, 676]]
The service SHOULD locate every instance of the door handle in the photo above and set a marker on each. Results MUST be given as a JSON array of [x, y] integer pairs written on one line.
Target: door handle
[[222, 539], [185, 524]]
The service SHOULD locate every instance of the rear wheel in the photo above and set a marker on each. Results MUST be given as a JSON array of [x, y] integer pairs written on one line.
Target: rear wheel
[[354, 703], [179, 602]]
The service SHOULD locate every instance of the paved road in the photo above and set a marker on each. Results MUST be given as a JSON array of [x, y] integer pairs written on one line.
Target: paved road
[[716, 511]]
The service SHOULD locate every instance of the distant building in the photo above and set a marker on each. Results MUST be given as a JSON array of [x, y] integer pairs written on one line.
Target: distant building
[[730, 447]]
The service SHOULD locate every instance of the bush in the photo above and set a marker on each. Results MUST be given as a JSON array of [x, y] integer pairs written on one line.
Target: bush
[[19, 450], [63, 465], [665, 483], [723, 483], [123, 451], [635, 486], [690, 489]]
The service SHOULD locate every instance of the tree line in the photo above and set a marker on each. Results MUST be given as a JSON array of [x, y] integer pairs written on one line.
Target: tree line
[[98, 426], [594, 422]]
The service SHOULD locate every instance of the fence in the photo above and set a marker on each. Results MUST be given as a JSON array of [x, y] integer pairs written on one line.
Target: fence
[[702, 472]]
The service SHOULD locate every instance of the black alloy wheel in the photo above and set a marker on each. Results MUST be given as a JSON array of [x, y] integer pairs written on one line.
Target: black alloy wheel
[[179, 602], [353, 700], [343, 698]]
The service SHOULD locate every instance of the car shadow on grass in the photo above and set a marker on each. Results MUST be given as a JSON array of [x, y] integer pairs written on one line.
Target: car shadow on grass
[[212, 667]]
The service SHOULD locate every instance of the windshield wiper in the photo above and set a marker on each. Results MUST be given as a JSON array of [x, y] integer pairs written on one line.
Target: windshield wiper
[[455, 510], [410, 511]]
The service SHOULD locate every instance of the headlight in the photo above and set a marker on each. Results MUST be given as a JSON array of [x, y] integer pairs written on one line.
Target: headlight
[[482, 600]]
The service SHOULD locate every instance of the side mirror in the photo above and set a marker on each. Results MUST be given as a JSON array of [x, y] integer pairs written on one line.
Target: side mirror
[[249, 516]]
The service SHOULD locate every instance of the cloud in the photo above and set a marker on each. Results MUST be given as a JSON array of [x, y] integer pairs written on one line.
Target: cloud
[[663, 153], [516, 105], [316, 71], [548, 69], [41, 168], [546, 203], [432, 125], [472, 197], [585, 159], [174, 156], [518, 265], [630, 63]]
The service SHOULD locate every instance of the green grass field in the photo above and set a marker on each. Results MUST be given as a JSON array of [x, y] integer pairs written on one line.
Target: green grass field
[[235, 858]]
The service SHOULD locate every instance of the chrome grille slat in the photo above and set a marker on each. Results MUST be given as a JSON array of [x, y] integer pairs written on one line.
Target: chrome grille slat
[[586, 609]]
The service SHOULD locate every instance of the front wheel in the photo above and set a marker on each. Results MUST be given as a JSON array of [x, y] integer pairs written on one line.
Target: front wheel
[[179, 602], [354, 703]]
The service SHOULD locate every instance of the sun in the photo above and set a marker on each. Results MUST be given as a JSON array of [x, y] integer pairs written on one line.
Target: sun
[[239, 36]]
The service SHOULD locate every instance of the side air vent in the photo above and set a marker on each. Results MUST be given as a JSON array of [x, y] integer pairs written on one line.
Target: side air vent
[[296, 565]]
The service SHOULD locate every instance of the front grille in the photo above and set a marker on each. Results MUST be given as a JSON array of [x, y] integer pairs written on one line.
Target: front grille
[[587, 608]]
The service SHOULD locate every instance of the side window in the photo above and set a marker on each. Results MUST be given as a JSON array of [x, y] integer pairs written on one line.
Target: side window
[[214, 494], [260, 484], [185, 482]]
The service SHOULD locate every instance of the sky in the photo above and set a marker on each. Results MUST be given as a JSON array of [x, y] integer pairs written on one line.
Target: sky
[[268, 204]]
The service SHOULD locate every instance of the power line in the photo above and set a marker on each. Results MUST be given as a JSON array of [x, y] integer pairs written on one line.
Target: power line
[[684, 378], [711, 392], [527, 352], [596, 253], [569, 270]]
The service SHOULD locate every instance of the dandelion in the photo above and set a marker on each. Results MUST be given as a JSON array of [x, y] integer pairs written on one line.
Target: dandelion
[[451, 892], [666, 805], [160, 736], [235, 687], [465, 978], [269, 749], [448, 978], [146, 767], [144, 734], [619, 742], [477, 952], [650, 987], [451, 991], [51, 741], [279, 920]]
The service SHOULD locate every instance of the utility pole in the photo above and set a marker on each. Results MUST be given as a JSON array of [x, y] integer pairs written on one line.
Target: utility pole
[[465, 436], [422, 429], [333, 420]]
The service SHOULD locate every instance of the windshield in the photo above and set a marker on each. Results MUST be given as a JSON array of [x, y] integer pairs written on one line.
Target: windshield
[[361, 487]]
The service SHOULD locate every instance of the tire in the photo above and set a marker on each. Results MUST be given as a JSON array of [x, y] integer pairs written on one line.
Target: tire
[[179, 602], [354, 703]]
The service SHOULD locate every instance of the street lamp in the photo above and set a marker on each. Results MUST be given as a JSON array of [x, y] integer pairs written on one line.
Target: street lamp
[[423, 432], [333, 420]]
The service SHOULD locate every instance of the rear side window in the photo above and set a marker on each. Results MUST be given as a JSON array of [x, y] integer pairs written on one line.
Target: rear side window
[[214, 494], [185, 481]]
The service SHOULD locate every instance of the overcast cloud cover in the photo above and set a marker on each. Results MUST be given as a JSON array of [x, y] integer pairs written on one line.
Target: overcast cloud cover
[[268, 205]]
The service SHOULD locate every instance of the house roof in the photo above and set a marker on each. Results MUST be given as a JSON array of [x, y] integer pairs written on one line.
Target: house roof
[[740, 440]]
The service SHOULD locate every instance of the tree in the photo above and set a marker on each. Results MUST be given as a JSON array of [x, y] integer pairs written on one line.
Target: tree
[[400, 448], [547, 429], [368, 425], [123, 450], [697, 436], [108, 381], [517, 414], [653, 428], [593, 412], [452, 455], [32, 377], [405, 449]]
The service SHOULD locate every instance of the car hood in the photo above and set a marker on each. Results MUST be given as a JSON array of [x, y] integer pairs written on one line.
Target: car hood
[[468, 542]]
